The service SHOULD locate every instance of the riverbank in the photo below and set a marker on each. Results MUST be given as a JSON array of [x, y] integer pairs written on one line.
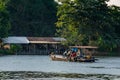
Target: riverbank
[[27, 75]]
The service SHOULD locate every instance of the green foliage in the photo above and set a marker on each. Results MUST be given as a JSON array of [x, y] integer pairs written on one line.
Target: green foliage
[[115, 19], [13, 49], [88, 22], [32, 17], [4, 19], [5, 52]]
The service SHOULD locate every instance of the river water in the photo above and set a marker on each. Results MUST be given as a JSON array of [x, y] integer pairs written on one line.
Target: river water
[[105, 65]]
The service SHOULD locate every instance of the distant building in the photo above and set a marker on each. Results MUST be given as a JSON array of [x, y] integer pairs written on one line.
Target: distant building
[[36, 45]]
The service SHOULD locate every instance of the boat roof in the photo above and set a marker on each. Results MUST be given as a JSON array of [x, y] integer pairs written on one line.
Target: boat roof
[[89, 47]]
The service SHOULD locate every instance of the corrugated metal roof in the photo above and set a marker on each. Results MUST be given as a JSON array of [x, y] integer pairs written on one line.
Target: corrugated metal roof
[[26, 40], [59, 39], [16, 40], [51, 40]]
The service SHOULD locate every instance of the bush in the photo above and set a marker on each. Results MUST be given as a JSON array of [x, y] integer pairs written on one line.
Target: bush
[[13, 49]]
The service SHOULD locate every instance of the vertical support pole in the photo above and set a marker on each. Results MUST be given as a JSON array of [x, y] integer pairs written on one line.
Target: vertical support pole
[[56, 48], [34, 48], [29, 48], [46, 48]]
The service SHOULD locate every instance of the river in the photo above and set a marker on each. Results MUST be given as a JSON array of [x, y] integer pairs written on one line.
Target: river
[[104, 65]]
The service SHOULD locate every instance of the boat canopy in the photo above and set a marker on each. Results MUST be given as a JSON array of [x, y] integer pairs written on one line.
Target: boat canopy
[[89, 47]]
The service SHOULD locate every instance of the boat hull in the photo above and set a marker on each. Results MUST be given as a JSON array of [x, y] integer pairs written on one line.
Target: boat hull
[[58, 58], [62, 58]]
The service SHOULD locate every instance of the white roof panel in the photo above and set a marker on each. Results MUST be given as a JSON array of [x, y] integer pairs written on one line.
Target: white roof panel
[[16, 40]]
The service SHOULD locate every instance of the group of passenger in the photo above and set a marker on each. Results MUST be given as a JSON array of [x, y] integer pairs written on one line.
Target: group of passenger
[[75, 54]]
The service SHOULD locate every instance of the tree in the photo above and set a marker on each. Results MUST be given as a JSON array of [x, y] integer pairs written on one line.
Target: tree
[[115, 13], [32, 17], [4, 19], [84, 22]]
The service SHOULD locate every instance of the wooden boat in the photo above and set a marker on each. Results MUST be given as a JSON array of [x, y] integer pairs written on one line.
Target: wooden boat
[[63, 58], [86, 58], [58, 57]]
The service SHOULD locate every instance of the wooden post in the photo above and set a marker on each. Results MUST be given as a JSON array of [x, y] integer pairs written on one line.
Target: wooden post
[[46, 48], [29, 48], [56, 48], [34, 49]]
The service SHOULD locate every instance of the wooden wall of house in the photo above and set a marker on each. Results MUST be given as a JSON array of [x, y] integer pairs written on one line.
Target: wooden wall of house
[[40, 49]]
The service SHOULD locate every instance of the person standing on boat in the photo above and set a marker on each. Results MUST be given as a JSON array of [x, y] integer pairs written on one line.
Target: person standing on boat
[[73, 56], [65, 53], [79, 54]]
